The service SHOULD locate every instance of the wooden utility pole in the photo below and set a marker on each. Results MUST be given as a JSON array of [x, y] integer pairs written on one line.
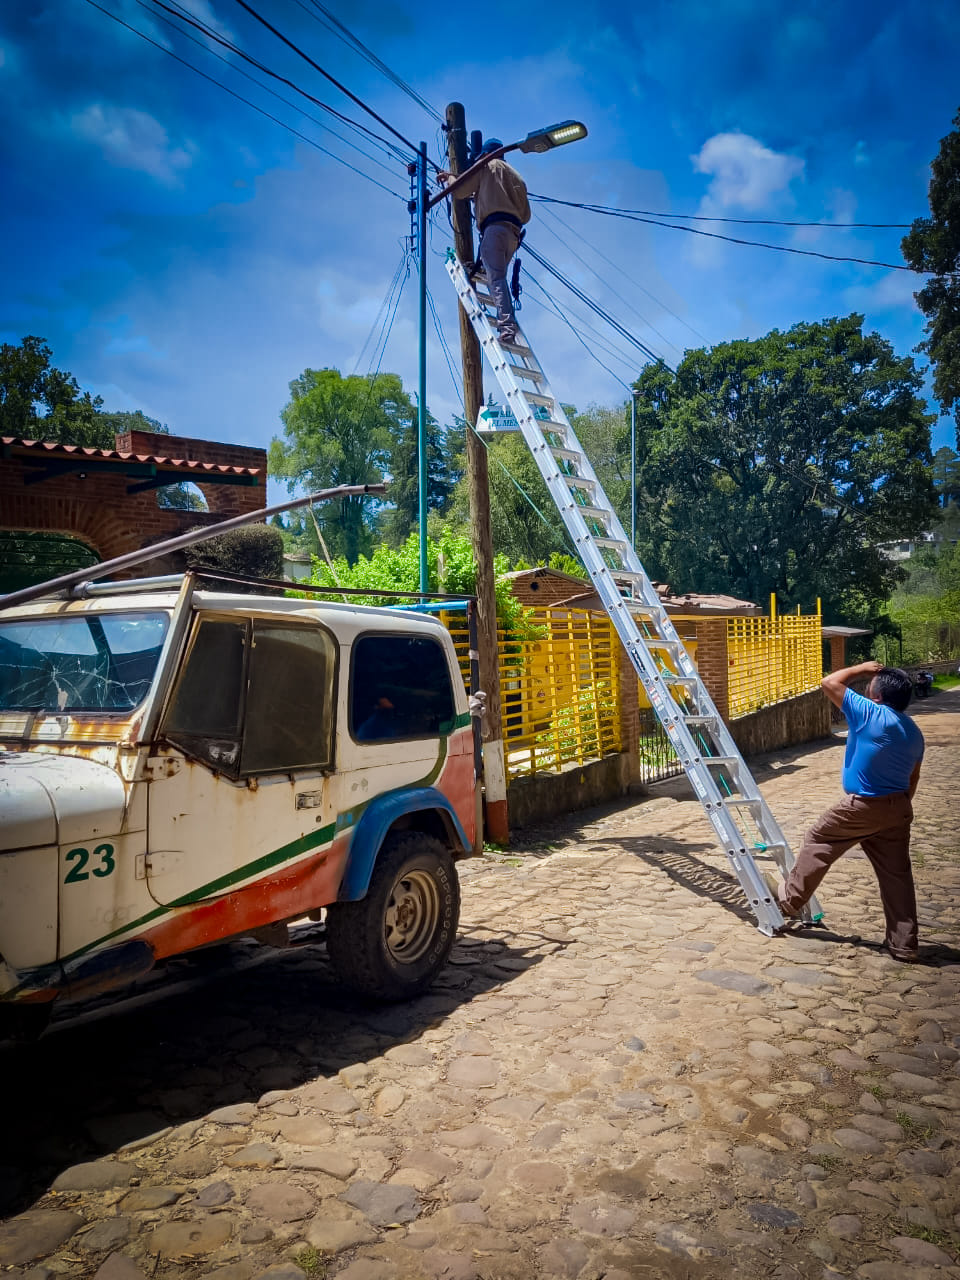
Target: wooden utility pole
[[495, 778]]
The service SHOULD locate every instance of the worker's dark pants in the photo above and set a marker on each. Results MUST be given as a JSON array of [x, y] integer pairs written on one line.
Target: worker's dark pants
[[881, 826], [498, 244]]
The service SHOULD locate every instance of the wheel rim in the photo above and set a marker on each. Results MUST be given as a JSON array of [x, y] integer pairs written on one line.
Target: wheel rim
[[412, 916]]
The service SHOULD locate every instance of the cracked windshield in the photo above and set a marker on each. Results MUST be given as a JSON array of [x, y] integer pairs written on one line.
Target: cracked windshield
[[95, 663]]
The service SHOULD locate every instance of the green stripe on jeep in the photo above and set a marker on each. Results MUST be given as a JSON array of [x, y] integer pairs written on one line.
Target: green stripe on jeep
[[284, 854]]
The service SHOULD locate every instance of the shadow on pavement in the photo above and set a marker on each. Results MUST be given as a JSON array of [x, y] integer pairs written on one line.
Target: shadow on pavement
[[104, 1077], [676, 860]]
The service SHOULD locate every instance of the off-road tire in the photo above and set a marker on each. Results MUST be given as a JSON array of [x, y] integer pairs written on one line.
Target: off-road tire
[[392, 944]]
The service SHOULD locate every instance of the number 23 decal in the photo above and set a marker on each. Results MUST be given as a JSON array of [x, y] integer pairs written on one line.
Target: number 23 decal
[[105, 867]]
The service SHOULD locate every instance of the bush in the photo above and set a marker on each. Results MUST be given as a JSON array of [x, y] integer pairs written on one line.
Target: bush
[[255, 551]]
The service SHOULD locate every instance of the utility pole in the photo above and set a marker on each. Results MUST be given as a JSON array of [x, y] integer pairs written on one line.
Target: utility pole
[[495, 778], [422, 394]]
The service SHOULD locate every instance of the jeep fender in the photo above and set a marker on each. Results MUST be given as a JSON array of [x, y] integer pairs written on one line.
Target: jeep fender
[[378, 817]]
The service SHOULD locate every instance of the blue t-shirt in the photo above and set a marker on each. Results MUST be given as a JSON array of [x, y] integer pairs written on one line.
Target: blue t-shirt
[[883, 746]]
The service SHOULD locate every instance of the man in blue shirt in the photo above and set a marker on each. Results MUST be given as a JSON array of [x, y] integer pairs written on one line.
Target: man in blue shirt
[[881, 768]]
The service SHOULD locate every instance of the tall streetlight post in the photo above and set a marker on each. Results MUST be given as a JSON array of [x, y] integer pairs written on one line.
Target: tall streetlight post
[[495, 778]]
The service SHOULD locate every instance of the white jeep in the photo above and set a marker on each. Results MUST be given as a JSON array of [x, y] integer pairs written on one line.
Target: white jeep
[[178, 768]]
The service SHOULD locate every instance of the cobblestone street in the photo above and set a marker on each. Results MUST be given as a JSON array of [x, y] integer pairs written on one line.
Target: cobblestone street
[[617, 1076]]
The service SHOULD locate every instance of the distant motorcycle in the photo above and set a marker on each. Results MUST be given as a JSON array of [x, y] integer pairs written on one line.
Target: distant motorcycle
[[923, 684]]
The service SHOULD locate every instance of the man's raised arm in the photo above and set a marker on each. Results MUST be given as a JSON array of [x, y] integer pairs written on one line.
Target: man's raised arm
[[835, 683]]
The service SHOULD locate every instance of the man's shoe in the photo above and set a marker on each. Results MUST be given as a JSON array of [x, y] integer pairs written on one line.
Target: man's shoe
[[905, 955], [777, 885], [508, 337]]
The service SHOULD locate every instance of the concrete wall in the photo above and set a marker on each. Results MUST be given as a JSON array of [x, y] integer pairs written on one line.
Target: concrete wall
[[531, 800], [785, 724]]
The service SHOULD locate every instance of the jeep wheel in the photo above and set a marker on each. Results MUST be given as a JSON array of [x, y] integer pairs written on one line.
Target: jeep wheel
[[391, 944]]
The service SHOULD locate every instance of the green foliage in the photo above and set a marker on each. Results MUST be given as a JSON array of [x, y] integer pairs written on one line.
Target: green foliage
[[31, 556], [123, 420], [946, 476], [38, 401], [451, 570], [566, 564], [524, 523], [933, 245], [339, 431], [310, 1261], [444, 469], [256, 551], [355, 431], [779, 465]]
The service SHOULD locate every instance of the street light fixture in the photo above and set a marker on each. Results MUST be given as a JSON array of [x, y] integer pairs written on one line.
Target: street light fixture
[[556, 135]]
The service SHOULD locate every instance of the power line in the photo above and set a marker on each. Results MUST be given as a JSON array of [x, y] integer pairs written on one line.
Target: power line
[[246, 101], [202, 44], [558, 310], [758, 222], [595, 306], [179, 13], [715, 235], [326, 74], [619, 296], [630, 279], [333, 24], [384, 306]]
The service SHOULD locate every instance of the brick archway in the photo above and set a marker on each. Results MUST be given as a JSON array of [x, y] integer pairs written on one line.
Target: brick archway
[[108, 498]]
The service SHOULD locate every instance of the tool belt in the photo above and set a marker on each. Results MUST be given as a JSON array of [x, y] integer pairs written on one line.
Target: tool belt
[[491, 218]]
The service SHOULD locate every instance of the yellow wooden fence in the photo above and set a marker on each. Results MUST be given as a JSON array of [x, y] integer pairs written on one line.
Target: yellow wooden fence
[[772, 659]]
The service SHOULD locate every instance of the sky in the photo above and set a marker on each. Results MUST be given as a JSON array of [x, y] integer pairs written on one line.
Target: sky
[[184, 255]]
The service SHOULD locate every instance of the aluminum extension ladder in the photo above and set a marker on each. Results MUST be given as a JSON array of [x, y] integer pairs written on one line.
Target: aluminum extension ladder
[[711, 760]]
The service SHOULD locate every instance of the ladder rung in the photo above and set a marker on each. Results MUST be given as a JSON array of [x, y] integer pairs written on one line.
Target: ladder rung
[[535, 398], [726, 761], [701, 719], [613, 544], [568, 455], [671, 677], [533, 374], [593, 513]]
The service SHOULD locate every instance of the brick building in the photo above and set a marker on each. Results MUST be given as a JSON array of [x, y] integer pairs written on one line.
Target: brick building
[[107, 498]]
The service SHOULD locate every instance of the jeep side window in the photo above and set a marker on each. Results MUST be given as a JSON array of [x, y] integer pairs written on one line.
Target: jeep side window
[[400, 688], [205, 716], [290, 700]]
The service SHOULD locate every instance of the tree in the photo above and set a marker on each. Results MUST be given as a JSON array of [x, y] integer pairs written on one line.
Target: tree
[[38, 401], [933, 244], [946, 476], [444, 469], [779, 465], [341, 431]]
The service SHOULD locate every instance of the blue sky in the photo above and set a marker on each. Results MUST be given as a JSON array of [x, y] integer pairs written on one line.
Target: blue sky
[[184, 255]]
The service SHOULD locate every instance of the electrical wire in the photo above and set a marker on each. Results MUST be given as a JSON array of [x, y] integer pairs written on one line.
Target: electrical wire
[[619, 296], [759, 222], [573, 329], [715, 235], [629, 279], [248, 8], [204, 45], [384, 305], [334, 25], [595, 306], [246, 101], [183, 16]]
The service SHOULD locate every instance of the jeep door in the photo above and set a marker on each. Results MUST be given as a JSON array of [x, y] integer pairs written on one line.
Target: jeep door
[[238, 829]]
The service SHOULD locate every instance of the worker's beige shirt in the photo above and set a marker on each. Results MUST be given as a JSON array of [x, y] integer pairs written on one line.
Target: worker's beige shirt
[[497, 188]]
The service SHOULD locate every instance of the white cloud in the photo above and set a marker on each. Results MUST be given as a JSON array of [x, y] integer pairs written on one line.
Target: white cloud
[[745, 174], [892, 291], [132, 139]]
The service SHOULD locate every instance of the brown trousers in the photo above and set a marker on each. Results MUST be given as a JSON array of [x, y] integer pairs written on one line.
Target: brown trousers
[[881, 826]]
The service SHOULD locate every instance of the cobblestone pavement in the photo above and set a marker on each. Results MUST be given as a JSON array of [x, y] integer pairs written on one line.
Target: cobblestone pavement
[[617, 1076]]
